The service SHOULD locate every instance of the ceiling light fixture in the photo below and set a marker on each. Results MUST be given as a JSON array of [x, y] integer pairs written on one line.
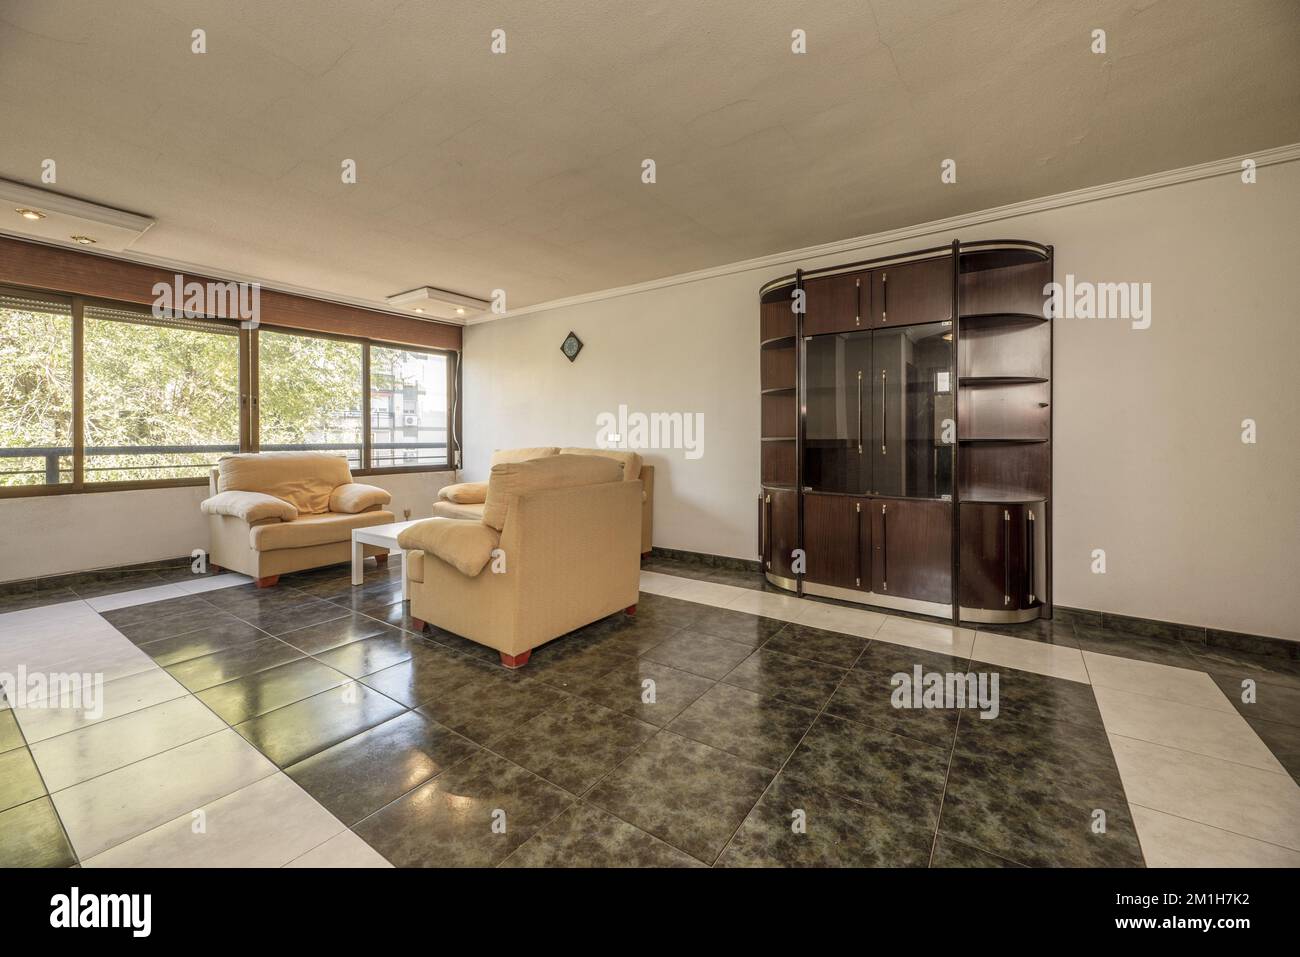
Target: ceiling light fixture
[[48, 216], [32, 214], [82, 240], [438, 303]]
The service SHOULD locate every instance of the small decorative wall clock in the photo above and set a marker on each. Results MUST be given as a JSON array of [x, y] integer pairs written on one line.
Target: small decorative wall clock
[[571, 346]]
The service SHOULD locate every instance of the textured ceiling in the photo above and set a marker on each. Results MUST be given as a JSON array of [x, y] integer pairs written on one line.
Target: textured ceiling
[[522, 171]]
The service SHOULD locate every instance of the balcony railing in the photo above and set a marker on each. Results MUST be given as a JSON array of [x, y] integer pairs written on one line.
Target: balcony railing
[[52, 454]]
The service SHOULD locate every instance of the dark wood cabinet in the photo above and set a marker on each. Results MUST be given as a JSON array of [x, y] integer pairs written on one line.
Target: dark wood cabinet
[[837, 533], [836, 304], [1002, 556], [911, 293], [911, 549], [780, 517]]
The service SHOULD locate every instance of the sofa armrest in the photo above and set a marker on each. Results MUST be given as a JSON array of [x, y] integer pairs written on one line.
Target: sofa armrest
[[465, 493], [356, 497], [464, 545], [249, 507]]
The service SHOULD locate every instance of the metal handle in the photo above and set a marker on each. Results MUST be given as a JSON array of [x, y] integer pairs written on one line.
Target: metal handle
[[1029, 559], [884, 548], [767, 552], [857, 580], [884, 410], [884, 297], [762, 552], [1006, 557], [859, 411], [857, 318]]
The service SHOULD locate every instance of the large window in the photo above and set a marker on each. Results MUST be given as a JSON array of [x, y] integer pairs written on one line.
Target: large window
[[310, 394], [408, 408], [95, 395], [35, 391], [161, 397]]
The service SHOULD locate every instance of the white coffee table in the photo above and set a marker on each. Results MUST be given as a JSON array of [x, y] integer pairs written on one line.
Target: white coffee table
[[385, 536]]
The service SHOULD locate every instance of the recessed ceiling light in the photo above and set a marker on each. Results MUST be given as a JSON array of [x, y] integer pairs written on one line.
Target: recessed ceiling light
[[459, 311], [438, 303], [418, 309], [29, 213], [83, 240]]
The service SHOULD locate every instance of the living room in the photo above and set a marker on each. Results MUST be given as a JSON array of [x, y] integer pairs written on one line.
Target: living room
[[444, 435]]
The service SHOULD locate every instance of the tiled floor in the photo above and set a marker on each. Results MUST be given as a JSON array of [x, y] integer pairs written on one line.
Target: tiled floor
[[726, 724]]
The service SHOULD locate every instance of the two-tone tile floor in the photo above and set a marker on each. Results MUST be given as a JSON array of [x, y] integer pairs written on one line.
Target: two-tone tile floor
[[725, 724]]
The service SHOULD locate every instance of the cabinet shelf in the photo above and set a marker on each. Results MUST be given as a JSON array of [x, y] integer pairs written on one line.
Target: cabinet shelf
[[1001, 441], [1003, 500], [977, 380], [780, 342], [778, 438], [778, 391], [990, 319]]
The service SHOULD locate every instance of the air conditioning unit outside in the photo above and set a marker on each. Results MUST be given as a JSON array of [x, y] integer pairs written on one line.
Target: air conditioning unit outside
[[410, 420]]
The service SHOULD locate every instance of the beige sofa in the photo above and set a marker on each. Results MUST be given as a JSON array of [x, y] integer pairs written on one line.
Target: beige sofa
[[271, 513], [557, 547], [466, 499]]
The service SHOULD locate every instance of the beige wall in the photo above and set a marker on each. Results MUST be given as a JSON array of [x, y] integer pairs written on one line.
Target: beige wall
[[54, 534], [1149, 464]]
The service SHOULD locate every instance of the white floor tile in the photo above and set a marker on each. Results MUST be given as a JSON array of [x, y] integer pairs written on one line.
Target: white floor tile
[[927, 636], [1219, 734], [124, 696], [341, 850], [116, 658], [212, 583], [266, 824], [89, 752], [115, 807], [137, 596], [706, 593], [1039, 657], [1169, 841], [1234, 797], [848, 621], [767, 604], [1156, 681], [28, 616], [658, 584]]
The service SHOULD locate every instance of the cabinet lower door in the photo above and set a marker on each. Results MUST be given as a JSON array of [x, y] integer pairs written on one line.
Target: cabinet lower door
[[1002, 556], [780, 530], [911, 549], [837, 536]]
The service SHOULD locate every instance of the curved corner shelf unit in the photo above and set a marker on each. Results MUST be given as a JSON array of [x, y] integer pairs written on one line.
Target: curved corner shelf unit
[[906, 442]]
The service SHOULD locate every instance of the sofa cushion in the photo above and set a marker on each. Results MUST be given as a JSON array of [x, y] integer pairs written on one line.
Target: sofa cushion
[[249, 506], [304, 479], [560, 471], [466, 493], [631, 460], [455, 510], [323, 529], [464, 545], [357, 497], [506, 456]]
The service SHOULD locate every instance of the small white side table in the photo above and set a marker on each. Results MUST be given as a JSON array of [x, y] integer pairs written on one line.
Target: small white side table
[[385, 536]]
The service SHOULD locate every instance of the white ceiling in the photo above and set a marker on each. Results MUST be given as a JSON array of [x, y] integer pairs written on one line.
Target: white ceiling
[[522, 171]]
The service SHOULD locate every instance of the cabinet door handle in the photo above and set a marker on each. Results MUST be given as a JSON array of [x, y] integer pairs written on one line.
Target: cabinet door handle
[[1006, 557], [767, 552], [884, 297], [884, 410], [857, 510], [859, 411], [762, 552], [857, 308], [884, 548], [1029, 557]]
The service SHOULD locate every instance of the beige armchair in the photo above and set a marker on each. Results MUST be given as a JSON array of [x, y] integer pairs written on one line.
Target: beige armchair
[[466, 499], [557, 547], [271, 513]]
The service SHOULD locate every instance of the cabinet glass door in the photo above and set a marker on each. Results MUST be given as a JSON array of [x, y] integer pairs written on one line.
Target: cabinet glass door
[[837, 424], [911, 431]]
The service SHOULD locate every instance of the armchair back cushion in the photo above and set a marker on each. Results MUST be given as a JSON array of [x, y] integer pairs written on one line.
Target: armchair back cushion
[[464, 493], [509, 481], [303, 479], [631, 460], [507, 456], [356, 497]]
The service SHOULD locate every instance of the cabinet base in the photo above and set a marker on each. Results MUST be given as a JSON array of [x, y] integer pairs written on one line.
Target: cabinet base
[[892, 602], [999, 616]]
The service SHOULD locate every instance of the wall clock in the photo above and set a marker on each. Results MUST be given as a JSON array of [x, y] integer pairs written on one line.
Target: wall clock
[[571, 346]]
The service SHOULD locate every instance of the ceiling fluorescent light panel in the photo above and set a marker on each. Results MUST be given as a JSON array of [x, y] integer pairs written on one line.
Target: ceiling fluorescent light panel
[[33, 213], [438, 304]]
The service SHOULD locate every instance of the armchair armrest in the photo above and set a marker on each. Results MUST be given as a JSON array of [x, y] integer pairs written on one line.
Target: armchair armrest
[[249, 507], [464, 545], [465, 493], [355, 497]]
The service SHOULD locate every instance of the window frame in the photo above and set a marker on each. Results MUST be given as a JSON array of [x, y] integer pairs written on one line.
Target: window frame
[[249, 392]]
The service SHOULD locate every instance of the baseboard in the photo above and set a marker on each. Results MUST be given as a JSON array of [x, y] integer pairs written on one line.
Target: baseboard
[[24, 586], [703, 558]]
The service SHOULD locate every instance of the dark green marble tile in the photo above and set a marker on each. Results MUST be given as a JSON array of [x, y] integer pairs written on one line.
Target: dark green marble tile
[[1283, 740], [167, 608], [199, 674], [281, 619], [449, 821], [866, 695], [817, 644], [21, 601], [585, 836], [568, 666], [31, 836], [799, 825], [762, 731], [359, 658], [10, 735], [299, 730], [898, 775], [950, 853], [645, 689], [397, 614], [1272, 702], [1049, 631], [167, 626], [574, 744], [668, 611], [429, 674], [1048, 700], [20, 782], [800, 681], [699, 654], [362, 774], [490, 704], [683, 792], [624, 634], [109, 582], [264, 691], [735, 625], [1156, 649], [1239, 665], [204, 641], [314, 639]]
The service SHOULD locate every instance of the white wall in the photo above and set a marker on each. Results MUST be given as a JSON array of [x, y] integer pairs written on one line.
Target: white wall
[[1197, 527], [55, 534]]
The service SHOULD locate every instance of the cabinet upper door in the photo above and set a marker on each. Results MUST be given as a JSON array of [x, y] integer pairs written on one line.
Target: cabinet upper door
[[912, 292], [837, 423], [836, 303]]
